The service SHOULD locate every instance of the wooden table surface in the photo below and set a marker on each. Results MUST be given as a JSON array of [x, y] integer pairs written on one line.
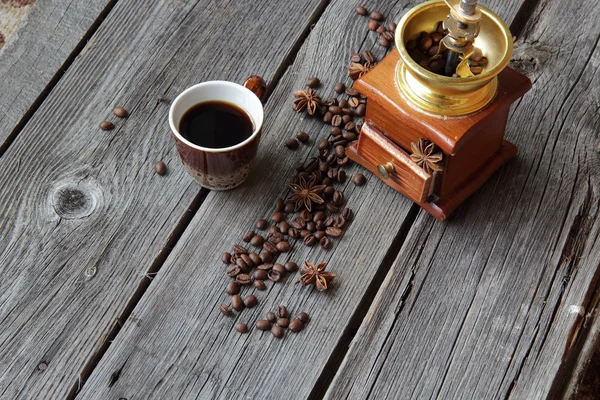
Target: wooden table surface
[[110, 275]]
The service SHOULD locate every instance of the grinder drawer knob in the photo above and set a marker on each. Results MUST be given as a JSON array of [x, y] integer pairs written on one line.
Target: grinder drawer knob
[[385, 170]]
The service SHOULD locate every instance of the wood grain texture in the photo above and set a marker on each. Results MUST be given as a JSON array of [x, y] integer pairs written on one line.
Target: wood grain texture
[[83, 213], [36, 51], [493, 303], [177, 344]]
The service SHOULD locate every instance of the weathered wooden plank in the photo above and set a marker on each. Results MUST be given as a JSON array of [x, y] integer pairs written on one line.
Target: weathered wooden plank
[[41, 37], [177, 344], [492, 303], [83, 213]]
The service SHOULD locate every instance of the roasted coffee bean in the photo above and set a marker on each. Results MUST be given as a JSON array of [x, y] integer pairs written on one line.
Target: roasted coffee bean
[[291, 144], [355, 57], [410, 45], [373, 25], [360, 10], [273, 229], [311, 164], [289, 207], [392, 26], [283, 322], [277, 217], [291, 266], [259, 284], [353, 102], [320, 234], [343, 161], [296, 325], [257, 240], [266, 257], [324, 167], [367, 55], [106, 125], [359, 179], [346, 119], [246, 258], [279, 204], [329, 221], [262, 224], [226, 258], [250, 301], [340, 151], [232, 288], [389, 36], [341, 177], [233, 270], [310, 240], [248, 236], [433, 50], [476, 70], [311, 226], [332, 208], [352, 92], [339, 87], [339, 222], [303, 317], [160, 168], [329, 191], [276, 237], [332, 173], [383, 42], [360, 110], [241, 263], [263, 325], [277, 331], [336, 120], [425, 43], [325, 243], [313, 82], [343, 104], [271, 317], [319, 216], [335, 110], [349, 135], [243, 279], [225, 310], [279, 268], [348, 112], [237, 303], [302, 136], [333, 231], [306, 215], [299, 223], [331, 159], [283, 246], [274, 275], [376, 15], [120, 112], [241, 327], [338, 198], [282, 312], [292, 233], [283, 227], [328, 117], [323, 144], [437, 66], [381, 29], [237, 249], [260, 274], [265, 267], [270, 247], [304, 233]]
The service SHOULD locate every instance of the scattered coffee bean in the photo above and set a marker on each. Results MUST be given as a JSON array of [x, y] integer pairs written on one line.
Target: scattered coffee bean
[[260, 274], [340, 87], [237, 303], [346, 119], [291, 144], [243, 279], [359, 179], [234, 271], [333, 231], [283, 322], [232, 288], [282, 312], [381, 29], [360, 110], [259, 284], [302, 136], [352, 92], [283, 227], [271, 317], [291, 266], [310, 240], [277, 331], [255, 258], [373, 25], [325, 243], [392, 26], [289, 208], [341, 177], [226, 258], [257, 240], [283, 246], [296, 325], [335, 110], [225, 310], [263, 325], [262, 224], [383, 42], [279, 204], [241, 327], [323, 144], [160, 168], [313, 82], [237, 249], [327, 117], [266, 257], [303, 317], [106, 125], [278, 217], [270, 247], [340, 151], [376, 15], [120, 112], [360, 10], [250, 301], [356, 58], [338, 198], [248, 236], [336, 120], [275, 276], [388, 36]]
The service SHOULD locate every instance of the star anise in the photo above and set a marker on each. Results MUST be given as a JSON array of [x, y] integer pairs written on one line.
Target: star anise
[[306, 99], [305, 193], [357, 70], [427, 155], [315, 275]]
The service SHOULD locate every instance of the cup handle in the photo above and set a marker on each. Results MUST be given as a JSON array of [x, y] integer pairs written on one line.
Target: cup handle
[[257, 85]]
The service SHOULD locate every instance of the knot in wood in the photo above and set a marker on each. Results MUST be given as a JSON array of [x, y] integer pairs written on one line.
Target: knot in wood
[[74, 201]]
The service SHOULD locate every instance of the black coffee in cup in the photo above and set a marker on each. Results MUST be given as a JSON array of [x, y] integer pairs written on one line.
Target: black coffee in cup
[[216, 124]]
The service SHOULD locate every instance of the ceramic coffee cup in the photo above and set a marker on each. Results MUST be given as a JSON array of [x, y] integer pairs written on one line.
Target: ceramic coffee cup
[[227, 167]]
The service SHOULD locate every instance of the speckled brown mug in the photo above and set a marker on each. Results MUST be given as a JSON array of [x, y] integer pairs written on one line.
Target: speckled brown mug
[[227, 167]]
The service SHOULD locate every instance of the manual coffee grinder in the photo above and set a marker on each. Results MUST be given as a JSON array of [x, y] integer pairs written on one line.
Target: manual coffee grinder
[[435, 122]]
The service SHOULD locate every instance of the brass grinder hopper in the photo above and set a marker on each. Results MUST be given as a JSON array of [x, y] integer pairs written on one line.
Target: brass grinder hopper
[[434, 138]]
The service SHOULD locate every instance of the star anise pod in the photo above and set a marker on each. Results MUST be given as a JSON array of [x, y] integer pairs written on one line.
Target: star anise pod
[[357, 70], [306, 99], [315, 275], [305, 193], [427, 155]]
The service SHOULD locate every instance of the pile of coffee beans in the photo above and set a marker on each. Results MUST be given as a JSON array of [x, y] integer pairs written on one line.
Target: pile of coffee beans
[[376, 24], [118, 111], [278, 321], [425, 50]]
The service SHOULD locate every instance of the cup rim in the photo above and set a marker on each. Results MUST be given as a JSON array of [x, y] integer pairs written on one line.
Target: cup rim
[[197, 86]]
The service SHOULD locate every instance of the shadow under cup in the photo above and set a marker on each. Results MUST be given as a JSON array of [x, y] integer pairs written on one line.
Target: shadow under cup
[[217, 168]]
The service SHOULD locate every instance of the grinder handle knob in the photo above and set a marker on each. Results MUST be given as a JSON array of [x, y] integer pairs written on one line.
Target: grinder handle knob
[[385, 170]]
